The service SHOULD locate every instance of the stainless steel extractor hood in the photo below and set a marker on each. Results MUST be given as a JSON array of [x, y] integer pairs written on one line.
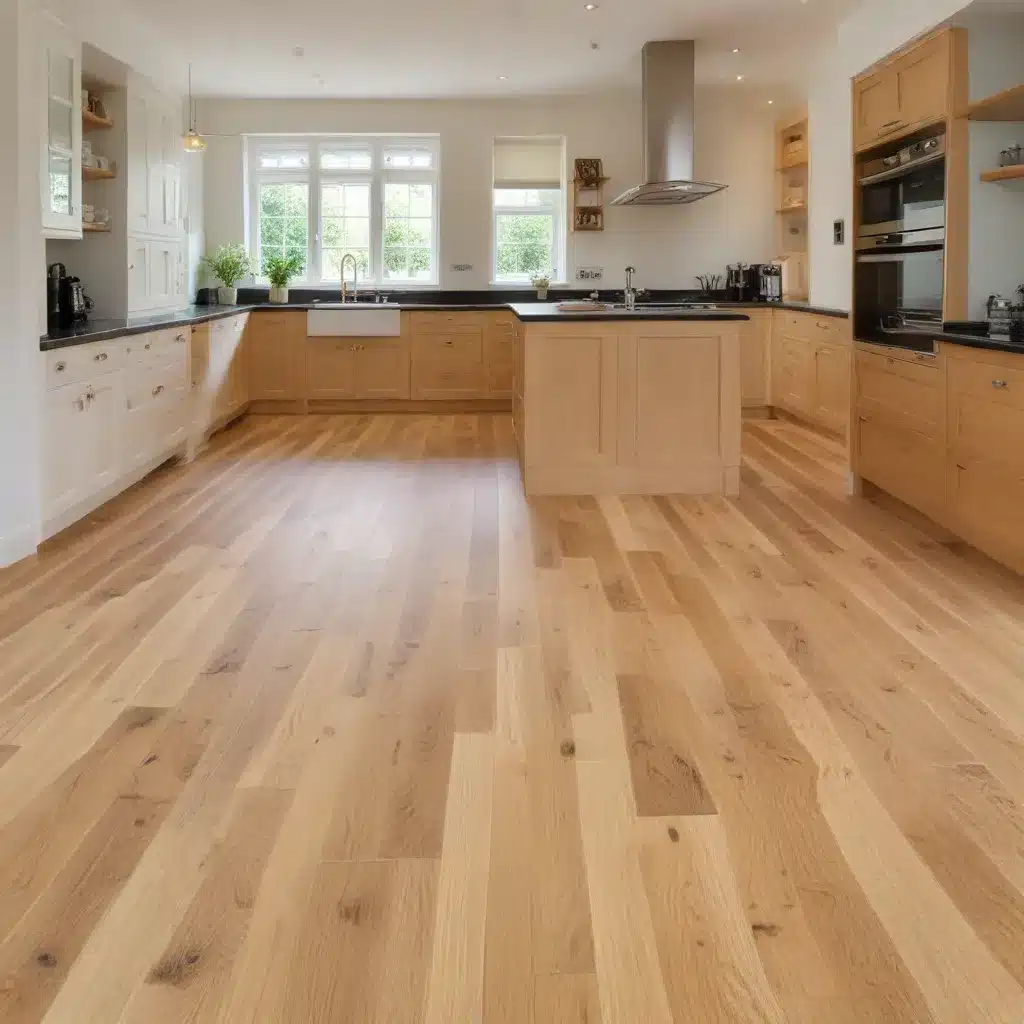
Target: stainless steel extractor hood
[[668, 129]]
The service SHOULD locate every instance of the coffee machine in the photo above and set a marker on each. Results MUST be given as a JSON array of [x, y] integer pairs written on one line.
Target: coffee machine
[[66, 301], [769, 282]]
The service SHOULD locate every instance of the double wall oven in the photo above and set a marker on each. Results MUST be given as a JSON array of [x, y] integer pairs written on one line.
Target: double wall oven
[[901, 241]]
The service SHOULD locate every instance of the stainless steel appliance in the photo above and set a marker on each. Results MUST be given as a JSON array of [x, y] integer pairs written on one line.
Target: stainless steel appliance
[[55, 274], [999, 316], [769, 282], [740, 283], [899, 269], [904, 194]]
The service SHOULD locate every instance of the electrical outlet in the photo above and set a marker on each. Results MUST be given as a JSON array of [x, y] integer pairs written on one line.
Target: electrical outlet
[[461, 268], [590, 275]]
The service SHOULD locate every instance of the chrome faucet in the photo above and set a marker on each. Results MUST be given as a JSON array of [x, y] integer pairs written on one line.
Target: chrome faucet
[[631, 293], [355, 278]]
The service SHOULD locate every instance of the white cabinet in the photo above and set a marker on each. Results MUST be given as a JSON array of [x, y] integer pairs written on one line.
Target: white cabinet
[[121, 413], [156, 275], [61, 164], [154, 163]]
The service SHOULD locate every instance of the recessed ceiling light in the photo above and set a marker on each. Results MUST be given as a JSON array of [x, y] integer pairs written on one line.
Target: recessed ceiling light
[[736, 49], [770, 102], [502, 78], [298, 51], [590, 7], [739, 78]]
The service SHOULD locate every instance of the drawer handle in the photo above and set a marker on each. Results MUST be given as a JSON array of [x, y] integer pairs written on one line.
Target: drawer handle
[[449, 344], [818, 323], [60, 367], [102, 356], [963, 469], [1000, 384], [157, 390], [179, 337], [90, 394]]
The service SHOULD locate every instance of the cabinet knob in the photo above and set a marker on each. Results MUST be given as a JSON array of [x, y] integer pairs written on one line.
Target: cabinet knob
[[449, 344], [60, 367], [101, 357], [148, 345], [1000, 384], [90, 394], [157, 390]]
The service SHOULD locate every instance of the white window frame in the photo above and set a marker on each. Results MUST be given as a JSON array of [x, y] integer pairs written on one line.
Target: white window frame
[[377, 177], [557, 211]]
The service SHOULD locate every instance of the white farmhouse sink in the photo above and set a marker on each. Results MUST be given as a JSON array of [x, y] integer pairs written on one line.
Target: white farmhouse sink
[[340, 321]]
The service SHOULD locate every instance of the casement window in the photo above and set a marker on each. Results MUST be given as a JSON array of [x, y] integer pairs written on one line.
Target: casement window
[[325, 197], [529, 201]]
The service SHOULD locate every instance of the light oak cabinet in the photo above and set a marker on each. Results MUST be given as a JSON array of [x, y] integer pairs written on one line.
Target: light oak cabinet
[[628, 408], [755, 352], [499, 343], [985, 467], [913, 89], [277, 356], [793, 374], [832, 374], [357, 368], [449, 365], [219, 376]]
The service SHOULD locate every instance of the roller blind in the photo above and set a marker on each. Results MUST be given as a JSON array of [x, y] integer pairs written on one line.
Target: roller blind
[[528, 163]]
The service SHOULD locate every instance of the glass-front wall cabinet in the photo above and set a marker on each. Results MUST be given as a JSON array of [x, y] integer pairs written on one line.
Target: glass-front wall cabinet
[[61, 172]]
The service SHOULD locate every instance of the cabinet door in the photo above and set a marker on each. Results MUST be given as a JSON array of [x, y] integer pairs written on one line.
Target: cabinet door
[[164, 258], [901, 461], [239, 372], [64, 468], [202, 392], [138, 430], [668, 389], [139, 161], [570, 395], [139, 295], [793, 375], [277, 357], [755, 337], [499, 345], [876, 107], [331, 368], [922, 77], [61, 169], [105, 404], [382, 368], [832, 387], [985, 502]]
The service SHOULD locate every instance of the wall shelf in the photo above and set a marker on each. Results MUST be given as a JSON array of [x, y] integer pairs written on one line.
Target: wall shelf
[[793, 208], [97, 174], [91, 120], [95, 228], [1004, 106], [588, 195], [1006, 175]]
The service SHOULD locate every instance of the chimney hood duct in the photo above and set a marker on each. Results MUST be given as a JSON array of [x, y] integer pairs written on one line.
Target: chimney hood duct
[[668, 83]]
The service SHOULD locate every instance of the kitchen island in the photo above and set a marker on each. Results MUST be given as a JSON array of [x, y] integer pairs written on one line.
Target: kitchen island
[[627, 402]]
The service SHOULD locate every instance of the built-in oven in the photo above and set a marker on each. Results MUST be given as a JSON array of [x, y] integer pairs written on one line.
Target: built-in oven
[[903, 193], [901, 240]]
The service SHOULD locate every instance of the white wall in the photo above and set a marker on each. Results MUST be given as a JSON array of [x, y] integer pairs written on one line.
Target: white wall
[[21, 282], [874, 30], [668, 247]]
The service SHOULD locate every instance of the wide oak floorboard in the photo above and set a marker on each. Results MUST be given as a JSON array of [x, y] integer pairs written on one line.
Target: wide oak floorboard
[[334, 725]]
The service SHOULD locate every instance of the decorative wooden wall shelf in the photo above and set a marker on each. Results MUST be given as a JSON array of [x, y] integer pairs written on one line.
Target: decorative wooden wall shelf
[[588, 195], [1007, 175], [1004, 106]]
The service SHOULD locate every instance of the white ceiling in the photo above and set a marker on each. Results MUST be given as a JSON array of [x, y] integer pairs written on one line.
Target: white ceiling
[[448, 48]]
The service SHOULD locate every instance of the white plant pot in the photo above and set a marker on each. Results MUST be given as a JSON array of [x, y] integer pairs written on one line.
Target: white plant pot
[[542, 294], [227, 296], [278, 295]]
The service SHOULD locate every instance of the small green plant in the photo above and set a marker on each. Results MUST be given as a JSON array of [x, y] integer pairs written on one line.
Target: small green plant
[[541, 281], [230, 263], [279, 269]]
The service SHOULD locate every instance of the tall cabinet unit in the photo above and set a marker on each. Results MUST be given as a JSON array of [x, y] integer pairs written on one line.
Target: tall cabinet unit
[[792, 162], [157, 273], [61, 163]]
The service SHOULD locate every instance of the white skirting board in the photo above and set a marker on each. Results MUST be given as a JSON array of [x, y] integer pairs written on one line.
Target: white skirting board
[[16, 545]]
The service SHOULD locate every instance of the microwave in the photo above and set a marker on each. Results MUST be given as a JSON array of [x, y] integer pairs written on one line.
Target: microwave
[[902, 197]]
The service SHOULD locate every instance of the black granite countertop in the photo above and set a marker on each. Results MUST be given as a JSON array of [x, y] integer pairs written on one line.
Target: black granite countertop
[[548, 312], [104, 330]]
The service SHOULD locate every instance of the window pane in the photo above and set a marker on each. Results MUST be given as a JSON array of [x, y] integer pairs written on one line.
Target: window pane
[[525, 245], [408, 231], [285, 158], [528, 197], [284, 220], [408, 157], [345, 158], [345, 228]]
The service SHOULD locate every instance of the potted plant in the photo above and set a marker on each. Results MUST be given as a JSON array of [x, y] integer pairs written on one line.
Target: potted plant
[[279, 270], [230, 263], [541, 282]]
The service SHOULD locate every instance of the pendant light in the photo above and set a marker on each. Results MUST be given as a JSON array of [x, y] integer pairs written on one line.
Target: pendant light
[[192, 140]]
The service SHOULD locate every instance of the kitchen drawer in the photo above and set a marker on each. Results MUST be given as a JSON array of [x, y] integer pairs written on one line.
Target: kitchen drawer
[[435, 321], [995, 382], [461, 349], [500, 379], [505, 321], [984, 508], [139, 348], [500, 348], [439, 380], [904, 392], [814, 327], [70, 365]]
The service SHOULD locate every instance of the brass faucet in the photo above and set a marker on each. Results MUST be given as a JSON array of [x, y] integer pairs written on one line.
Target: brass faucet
[[355, 278]]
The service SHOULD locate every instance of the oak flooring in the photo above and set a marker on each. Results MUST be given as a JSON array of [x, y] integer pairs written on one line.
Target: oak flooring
[[334, 726]]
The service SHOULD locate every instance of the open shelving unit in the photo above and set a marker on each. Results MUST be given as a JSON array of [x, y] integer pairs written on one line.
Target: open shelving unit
[[92, 121], [95, 228], [792, 162], [97, 174], [1013, 175], [1007, 105]]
